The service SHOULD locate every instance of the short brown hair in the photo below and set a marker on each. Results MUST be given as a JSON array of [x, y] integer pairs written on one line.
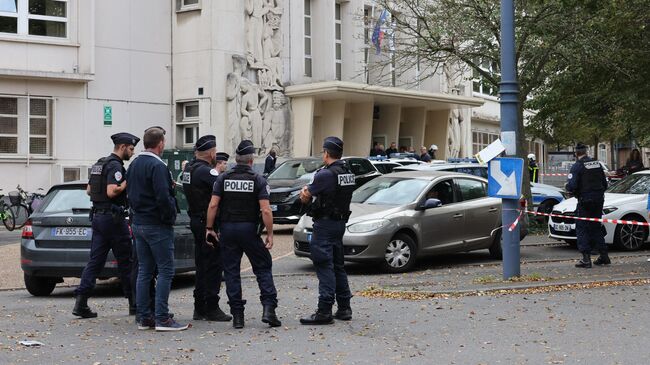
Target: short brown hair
[[153, 136]]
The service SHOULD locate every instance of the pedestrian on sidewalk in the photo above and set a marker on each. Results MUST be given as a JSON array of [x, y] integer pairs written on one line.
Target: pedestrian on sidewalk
[[587, 182], [332, 188], [198, 177], [238, 196], [107, 190], [152, 201]]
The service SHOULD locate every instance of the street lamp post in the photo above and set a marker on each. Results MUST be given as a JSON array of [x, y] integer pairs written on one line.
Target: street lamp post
[[509, 94]]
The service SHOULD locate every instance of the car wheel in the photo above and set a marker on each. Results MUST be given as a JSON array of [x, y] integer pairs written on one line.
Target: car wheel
[[400, 253], [39, 286], [496, 251], [630, 237], [545, 207]]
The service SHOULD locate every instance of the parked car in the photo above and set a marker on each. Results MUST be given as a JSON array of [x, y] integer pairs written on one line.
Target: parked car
[[399, 217], [56, 240], [545, 197], [384, 166], [626, 200], [287, 180]]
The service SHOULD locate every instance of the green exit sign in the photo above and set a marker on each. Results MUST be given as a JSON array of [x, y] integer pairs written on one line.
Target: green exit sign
[[108, 115]]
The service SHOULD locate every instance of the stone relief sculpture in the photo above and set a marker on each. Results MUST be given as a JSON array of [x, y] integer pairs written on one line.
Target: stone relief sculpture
[[257, 107], [454, 139]]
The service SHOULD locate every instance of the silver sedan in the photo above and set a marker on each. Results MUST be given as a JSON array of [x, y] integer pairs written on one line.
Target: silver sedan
[[399, 217]]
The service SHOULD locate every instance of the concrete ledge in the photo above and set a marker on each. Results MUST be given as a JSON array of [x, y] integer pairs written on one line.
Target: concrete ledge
[[45, 75]]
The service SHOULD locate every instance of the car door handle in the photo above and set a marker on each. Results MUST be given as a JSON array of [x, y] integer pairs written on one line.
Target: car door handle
[[492, 210], [459, 215]]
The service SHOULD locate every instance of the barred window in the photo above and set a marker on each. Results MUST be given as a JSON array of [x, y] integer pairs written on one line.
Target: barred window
[[25, 126]]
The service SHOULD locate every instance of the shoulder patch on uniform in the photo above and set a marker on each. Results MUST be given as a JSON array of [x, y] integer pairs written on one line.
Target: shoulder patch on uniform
[[346, 179], [239, 186], [268, 189], [118, 176], [214, 172], [570, 176]]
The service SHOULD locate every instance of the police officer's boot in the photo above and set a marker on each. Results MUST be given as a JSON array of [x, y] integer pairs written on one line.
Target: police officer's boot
[[603, 259], [237, 318], [268, 316], [199, 312], [132, 308], [217, 315], [81, 308], [322, 316], [344, 311], [585, 262]]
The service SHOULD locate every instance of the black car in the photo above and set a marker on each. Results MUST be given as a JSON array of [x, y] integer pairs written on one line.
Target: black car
[[56, 240], [287, 180]]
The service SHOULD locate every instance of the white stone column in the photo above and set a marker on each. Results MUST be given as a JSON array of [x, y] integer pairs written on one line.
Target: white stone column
[[357, 130], [412, 124], [302, 120]]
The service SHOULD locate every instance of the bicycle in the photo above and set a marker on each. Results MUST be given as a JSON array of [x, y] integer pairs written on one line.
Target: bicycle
[[6, 214], [22, 205]]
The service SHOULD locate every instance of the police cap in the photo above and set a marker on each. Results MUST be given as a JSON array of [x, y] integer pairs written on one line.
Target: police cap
[[580, 147], [333, 143], [245, 148], [125, 138], [205, 143], [222, 156]]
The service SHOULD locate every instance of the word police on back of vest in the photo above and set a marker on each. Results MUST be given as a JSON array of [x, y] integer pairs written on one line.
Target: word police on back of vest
[[592, 165], [239, 186], [346, 179], [97, 169]]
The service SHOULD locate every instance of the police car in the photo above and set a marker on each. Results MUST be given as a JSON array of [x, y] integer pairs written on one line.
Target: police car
[[56, 240], [626, 200]]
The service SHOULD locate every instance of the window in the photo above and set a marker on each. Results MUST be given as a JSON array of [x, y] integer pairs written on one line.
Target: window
[[182, 5], [308, 38], [367, 36], [479, 84], [443, 191], [46, 18], [337, 39], [471, 189], [71, 174], [25, 126], [190, 134], [188, 123], [360, 167], [480, 140]]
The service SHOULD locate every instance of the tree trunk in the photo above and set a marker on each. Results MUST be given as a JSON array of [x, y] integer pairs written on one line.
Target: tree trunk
[[596, 141]]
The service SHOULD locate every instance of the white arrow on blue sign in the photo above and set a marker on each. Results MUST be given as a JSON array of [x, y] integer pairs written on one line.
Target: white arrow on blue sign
[[505, 177]]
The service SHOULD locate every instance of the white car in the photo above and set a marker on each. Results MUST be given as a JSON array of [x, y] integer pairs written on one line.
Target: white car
[[627, 200]]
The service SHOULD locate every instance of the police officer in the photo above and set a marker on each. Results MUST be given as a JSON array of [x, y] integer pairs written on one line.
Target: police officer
[[107, 190], [332, 187], [587, 182], [222, 162], [238, 196], [198, 177]]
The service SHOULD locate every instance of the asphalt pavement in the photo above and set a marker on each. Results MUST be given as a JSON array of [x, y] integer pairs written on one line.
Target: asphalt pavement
[[9, 237], [470, 317]]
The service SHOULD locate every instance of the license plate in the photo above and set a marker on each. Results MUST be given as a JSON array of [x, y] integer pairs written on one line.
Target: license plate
[[308, 237], [562, 227], [71, 232], [274, 208]]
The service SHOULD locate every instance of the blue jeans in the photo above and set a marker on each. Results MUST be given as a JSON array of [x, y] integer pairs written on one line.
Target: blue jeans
[[155, 248], [326, 251]]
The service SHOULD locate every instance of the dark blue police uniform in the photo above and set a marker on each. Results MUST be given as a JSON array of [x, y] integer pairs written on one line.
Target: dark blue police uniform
[[110, 230], [332, 188], [587, 182], [198, 180], [240, 189]]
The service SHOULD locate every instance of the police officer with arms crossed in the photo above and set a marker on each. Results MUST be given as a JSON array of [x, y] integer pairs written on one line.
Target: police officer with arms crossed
[[107, 190], [332, 186], [198, 177], [238, 196], [587, 182]]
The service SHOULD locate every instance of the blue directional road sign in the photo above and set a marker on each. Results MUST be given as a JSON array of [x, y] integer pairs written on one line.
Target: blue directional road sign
[[504, 177]]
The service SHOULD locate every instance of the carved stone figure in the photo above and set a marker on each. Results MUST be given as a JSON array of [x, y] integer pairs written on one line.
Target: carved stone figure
[[253, 102], [272, 60], [233, 97], [453, 135], [255, 11]]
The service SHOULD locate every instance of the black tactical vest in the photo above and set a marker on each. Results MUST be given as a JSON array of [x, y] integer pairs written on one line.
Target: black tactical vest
[[198, 196], [239, 198], [336, 205], [591, 181], [98, 183]]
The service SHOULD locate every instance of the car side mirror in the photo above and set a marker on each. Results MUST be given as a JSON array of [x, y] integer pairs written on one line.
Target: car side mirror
[[430, 203]]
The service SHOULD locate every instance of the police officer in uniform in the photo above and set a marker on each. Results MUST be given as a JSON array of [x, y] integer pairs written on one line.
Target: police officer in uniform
[[222, 162], [587, 182], [107, 190], [198, 177], [332, 188], [238, 196]]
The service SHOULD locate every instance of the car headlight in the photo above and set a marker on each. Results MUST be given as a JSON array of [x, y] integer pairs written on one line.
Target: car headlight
[[294, 193], [368, 226], [607, 210]]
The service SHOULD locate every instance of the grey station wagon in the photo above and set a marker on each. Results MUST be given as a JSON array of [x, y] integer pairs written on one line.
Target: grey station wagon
[[401, 216], [56, 240]]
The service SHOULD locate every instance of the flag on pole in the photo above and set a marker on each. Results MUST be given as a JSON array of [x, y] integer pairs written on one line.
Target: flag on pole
[[378, 33]]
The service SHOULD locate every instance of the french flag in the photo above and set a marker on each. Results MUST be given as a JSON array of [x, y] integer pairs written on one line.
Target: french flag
[[378, 34]]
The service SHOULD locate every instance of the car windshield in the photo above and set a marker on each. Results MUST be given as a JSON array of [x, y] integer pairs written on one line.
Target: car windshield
[[295, 169], [389, 191], [633, 184], [63, 200]]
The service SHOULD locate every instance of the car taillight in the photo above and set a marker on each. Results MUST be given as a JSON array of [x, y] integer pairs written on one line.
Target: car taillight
[[27, 230]]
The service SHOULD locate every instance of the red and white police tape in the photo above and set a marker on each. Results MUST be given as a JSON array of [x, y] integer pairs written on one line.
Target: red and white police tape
[[554, 174], [601, 220]]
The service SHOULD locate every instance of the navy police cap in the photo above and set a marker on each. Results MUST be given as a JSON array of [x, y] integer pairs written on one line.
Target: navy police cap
[[125, 138], [222, 156], [580, 147], [245, 148], [205, 143], [333, 143]]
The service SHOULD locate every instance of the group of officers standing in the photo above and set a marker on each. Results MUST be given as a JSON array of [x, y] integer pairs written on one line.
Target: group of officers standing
[[227, 209]]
